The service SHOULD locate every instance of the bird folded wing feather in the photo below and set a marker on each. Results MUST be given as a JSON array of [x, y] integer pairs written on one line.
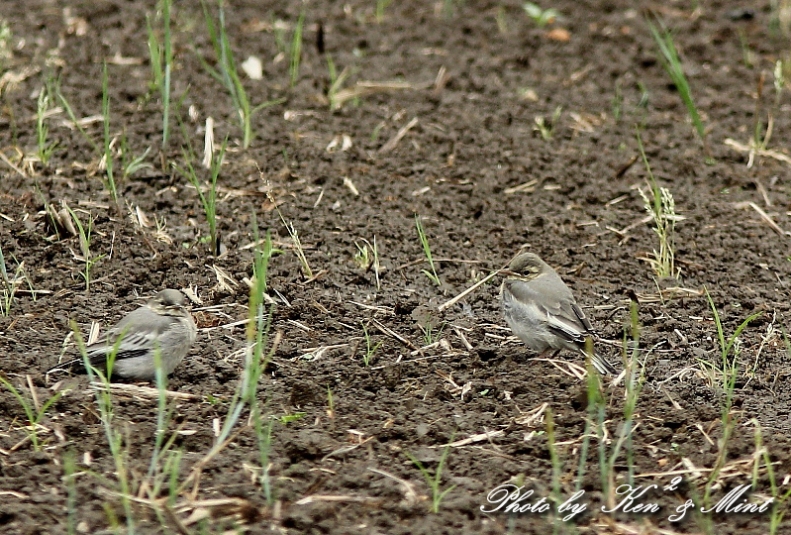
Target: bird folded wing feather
[[564, 326], [581, 316], [132, 345]]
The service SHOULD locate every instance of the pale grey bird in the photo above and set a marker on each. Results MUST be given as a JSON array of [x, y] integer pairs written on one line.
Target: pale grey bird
[[542, 312], [162, 323]]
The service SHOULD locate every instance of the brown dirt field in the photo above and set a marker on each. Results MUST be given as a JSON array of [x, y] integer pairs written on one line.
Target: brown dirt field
[[475, 139]]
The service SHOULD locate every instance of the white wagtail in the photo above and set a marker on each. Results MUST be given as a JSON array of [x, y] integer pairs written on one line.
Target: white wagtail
[[163, 324], [542, 312]]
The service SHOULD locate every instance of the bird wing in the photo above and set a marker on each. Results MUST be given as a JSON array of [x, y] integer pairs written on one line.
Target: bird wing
[[138, 331], [581, 316], [141, 321], [562, 321], [553, 299]]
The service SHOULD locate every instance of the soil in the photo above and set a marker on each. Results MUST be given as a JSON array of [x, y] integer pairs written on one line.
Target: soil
[[474, 76]]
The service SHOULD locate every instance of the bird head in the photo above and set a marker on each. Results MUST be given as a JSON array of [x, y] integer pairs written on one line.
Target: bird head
[[168, 302], [526, 266]]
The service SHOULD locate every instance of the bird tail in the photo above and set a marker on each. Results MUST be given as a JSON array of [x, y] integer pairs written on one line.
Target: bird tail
[[601, 364], [97, 359], [71, 366]]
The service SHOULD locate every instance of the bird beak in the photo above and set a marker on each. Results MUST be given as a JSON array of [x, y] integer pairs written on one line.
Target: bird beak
[[509, 273]]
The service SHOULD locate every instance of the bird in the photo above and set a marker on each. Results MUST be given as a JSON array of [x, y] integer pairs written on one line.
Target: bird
[[542, 312], [162, 324]]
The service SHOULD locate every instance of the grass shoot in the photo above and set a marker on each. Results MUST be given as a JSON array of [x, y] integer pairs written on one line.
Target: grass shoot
[[370, 347], [295, 52], [546, 128], [434, 481], [130, 163], [43, 110], [363, 257], [298, 249], [557, 464], [330, 403], [779, 507], [672, 63], [662, 209], [263, 433], [107, 159], [100, 383], [34, 409], [69, 473], [594, 397], [430, 334], [10, 284], [70, 112], [633, 382], [255, 361], [728, 370], [228, 75], [377, 266], [381, 5], [85, 233], [336, 83], [421, 232], [209, 199], [367, 258], [161, 59]]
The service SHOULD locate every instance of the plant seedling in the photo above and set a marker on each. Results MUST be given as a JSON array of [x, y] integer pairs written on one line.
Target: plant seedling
[[363, 258], [370, 347], [367, 258], [85, 235], [381, 5], [541, 17], [729, 370], [330, 403], [9, 284], [264, 435], [298, 249], [33, 410], [672, 63], [547, 127], [432, 275], [70, 112], [129, 162], [43, 109], [288, 418], [662, 209], [434, 481], [228, 75], [107, 160], [336, 83], [296, 50], [161, 59], [429, 334], [209, 199], [100, 383]]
